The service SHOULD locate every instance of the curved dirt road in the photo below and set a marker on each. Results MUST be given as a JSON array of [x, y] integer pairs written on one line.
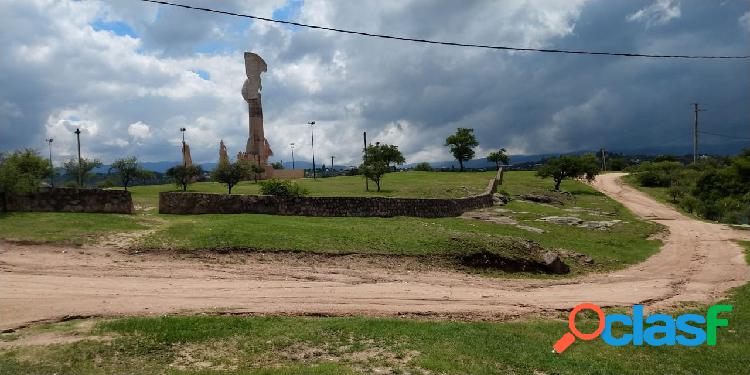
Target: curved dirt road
[[697, 263]]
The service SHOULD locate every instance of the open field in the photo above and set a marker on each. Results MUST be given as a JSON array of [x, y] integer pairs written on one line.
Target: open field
[[398, 184], [624, 243], [287, 345]]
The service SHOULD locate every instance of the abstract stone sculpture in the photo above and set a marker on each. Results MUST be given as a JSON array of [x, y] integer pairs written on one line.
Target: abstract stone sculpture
[[257, 150]]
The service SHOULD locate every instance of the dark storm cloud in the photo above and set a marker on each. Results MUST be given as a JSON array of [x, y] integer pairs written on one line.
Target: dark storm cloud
[[405, 93]]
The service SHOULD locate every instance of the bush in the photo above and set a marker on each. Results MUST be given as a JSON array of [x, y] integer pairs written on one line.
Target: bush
[[282, 188], [423, 166]]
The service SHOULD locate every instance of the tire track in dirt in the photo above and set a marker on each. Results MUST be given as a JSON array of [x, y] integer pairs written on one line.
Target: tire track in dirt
[[698, 262]]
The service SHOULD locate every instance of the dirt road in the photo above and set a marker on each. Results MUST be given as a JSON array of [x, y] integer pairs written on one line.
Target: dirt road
[[697, 263]]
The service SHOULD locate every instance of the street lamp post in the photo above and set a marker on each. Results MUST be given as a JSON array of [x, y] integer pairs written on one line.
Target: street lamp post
[[52, 167], [291, 145], [312, 144], [78, 139], [332, 168]]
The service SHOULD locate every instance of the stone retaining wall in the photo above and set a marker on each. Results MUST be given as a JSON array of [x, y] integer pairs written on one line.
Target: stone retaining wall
[[72, 200], [204, 203]]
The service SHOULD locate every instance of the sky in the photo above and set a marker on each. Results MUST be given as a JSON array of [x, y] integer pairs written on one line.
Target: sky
[[131, 74]]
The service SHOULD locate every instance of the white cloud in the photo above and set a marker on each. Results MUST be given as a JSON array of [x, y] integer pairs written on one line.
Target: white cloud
[[139, 130], [660, 12], [745, 21]]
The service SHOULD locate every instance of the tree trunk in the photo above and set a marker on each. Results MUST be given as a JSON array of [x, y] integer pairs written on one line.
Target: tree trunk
[[461, 164], [230, 189], [500, 182], [497, 165], [378, 183], [557, 184]]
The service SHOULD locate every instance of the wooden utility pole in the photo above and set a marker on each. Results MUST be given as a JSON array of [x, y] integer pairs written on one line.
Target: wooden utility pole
[[604, 159], [364, 150], [695, 132]]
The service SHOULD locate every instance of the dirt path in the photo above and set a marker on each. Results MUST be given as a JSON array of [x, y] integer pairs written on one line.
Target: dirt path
[[697, 263]]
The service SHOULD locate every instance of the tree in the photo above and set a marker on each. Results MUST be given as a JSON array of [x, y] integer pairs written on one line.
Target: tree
[[184, 175], [129, 169], [231, 174], [390, 155], [462, 145], [568, 167], [71, 168], [23, 171], [423, 166], [377, 159], [277, 165], [257, 170], [498, 157]]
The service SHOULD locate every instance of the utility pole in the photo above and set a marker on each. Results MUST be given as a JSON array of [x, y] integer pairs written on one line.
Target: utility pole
[[291, 145], [52, 167], [78, 138], [364, 150], [695, 132], [332, 168], [604, 160], [312, 144]]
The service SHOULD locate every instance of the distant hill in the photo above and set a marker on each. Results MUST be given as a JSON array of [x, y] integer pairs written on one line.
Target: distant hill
[[726, 149]]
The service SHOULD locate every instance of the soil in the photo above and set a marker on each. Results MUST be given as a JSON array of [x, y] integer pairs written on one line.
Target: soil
[[698, 262]]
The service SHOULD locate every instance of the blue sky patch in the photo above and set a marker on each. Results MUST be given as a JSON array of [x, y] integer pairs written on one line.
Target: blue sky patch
[[117, 27]]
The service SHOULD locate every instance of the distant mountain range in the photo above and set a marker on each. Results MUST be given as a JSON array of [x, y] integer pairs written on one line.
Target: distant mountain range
[[720, 149]]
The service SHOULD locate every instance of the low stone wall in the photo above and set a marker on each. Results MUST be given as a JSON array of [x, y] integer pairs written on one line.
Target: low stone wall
[[203, 203], [72, 200]]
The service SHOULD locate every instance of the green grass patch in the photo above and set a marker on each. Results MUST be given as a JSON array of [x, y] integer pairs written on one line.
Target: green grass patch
[[410, 184], [64, 227]]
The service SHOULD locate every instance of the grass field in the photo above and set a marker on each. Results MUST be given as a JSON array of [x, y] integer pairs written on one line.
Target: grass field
[[293, 345], [400, 184], [623, 244], [63, 227]]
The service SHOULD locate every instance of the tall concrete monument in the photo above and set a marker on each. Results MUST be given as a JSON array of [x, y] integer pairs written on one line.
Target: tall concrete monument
[[257, 150]]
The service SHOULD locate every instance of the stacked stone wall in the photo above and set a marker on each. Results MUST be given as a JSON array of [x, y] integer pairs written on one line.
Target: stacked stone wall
[[204, 203], [71, 200]]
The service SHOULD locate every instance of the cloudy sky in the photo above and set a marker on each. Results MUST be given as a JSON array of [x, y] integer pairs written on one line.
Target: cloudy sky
[[130, 74]]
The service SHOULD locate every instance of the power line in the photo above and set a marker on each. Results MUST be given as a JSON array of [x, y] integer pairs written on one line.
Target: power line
[[724, 135], [393, 37]]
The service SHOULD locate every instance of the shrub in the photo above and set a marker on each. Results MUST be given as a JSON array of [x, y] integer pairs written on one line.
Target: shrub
[[423, 166], [282, 188]]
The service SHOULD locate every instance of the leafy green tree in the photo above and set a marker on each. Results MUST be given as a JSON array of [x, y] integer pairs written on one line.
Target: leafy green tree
[[377, 161], [71, 168], [257, 170], [569, 167], [231, 174], [498, 157], [462, 145], [184, 175], [23, 171], [128, 169], [390, 155], [423, 166]]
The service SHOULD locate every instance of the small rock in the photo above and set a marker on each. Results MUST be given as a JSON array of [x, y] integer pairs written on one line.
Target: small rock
[[531, 229], [539, 198], [563, 220]]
